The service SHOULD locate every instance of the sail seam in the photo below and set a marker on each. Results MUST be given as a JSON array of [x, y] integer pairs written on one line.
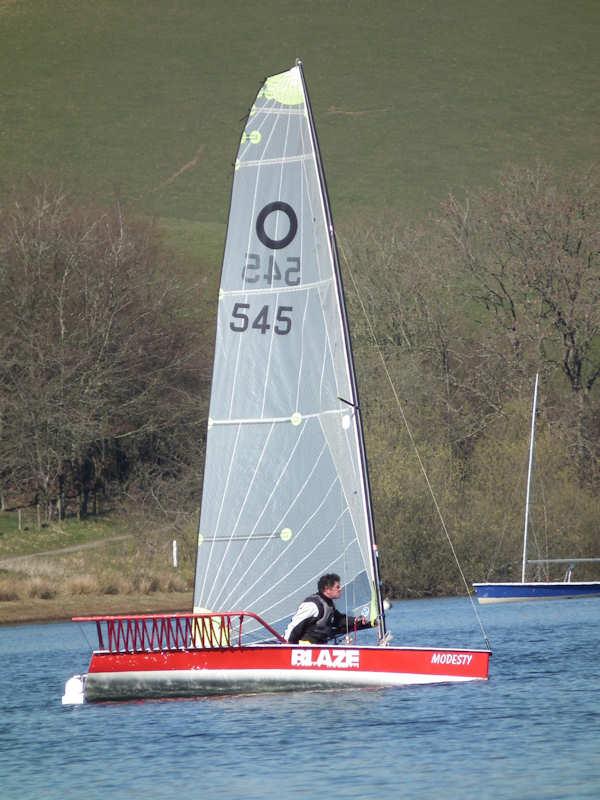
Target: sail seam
[[275, 289], [288, 112]]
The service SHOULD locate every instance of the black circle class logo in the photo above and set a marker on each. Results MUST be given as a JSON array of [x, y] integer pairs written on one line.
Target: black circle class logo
[[285, 208]]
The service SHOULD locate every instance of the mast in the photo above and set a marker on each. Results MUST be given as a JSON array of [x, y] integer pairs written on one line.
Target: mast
[[529, 471], [355, 399]]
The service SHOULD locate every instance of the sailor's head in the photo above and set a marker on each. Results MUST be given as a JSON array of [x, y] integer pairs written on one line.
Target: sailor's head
[[329, 586]]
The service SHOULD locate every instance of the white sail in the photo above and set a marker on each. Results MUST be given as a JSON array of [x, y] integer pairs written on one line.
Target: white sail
[[529, 474], [285, 498]]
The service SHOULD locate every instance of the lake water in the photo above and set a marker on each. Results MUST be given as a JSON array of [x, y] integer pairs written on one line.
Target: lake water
[[532, 731]]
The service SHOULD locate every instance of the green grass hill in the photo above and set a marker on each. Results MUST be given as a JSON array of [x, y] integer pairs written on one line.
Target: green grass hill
[[412, 100]]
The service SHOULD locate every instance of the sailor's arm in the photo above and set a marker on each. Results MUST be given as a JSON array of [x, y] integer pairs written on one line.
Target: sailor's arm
[[346, 624]]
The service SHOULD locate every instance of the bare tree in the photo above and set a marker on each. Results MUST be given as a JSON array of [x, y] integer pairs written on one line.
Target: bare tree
[[99, 364], [530, 255]]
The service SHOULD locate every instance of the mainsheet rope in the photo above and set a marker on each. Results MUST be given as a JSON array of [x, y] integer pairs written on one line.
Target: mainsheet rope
[[414, 445]]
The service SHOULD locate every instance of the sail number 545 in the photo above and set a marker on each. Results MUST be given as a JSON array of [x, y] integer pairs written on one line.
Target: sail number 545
[[243, 318]]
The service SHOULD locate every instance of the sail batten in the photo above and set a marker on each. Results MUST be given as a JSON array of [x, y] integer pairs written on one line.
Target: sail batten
[[279, 420], [284, 497], [305, 287], [273, 162]]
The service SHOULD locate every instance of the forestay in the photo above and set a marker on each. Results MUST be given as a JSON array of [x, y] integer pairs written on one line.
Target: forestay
[[284, 498]]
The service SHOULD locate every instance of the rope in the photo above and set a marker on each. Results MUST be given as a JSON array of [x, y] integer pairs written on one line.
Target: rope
[[85, 636], [415, 448]]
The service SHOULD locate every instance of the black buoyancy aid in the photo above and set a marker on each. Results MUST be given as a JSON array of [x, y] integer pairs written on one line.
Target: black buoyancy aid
[[323, 628]]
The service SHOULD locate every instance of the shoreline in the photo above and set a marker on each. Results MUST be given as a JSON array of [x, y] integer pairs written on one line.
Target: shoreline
[[62, 609]]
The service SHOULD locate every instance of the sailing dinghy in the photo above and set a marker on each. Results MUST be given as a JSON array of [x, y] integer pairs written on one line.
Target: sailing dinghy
[[567, 589], [286, 493]]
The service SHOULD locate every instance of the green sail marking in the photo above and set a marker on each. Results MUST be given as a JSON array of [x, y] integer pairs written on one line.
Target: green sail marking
[[285, 88]]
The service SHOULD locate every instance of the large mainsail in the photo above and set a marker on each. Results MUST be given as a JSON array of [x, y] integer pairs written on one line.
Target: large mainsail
[[285, 498]]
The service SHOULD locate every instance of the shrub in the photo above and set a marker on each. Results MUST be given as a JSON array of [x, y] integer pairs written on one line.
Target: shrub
[[81, 584], [9, 590], [42, 589]]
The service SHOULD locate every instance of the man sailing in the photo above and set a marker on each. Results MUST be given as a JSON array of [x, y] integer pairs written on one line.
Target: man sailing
[[317, 619]]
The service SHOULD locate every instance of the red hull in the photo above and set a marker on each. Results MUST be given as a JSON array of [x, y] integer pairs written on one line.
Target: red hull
[[195, 655], [192, 673]]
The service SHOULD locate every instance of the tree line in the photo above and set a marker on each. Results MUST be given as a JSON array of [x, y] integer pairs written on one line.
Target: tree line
[[466, 309], [100, 367], [105, 360]]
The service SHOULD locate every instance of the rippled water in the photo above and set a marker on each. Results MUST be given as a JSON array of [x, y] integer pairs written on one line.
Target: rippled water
[[532, 731]]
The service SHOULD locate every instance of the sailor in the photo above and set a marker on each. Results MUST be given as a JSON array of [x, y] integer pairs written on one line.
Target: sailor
[[317, 619]]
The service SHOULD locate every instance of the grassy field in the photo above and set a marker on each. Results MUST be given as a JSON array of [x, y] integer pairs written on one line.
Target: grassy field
[[412, 100], [30, 539], [86, 567], [35, 609]]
